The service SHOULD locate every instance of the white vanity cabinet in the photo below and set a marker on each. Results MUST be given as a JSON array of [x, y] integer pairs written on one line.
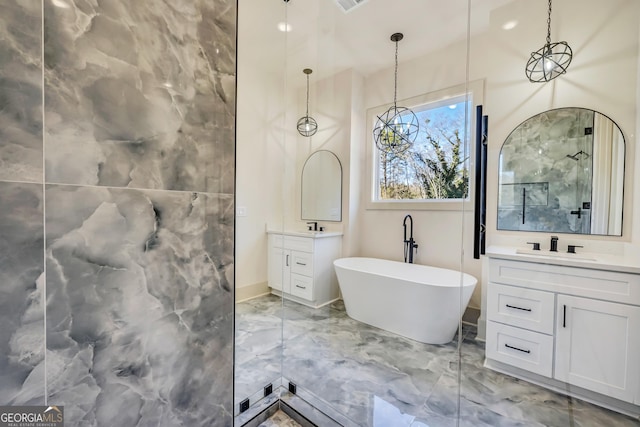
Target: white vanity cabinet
[[301, 267], [573, 329], [520, 327], [598, 346]]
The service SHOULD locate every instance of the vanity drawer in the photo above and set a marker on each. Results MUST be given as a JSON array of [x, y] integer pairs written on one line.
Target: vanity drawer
[[585, 282], [302, 286], [522, 307], [523, 349], [304, 244], [302, 263]]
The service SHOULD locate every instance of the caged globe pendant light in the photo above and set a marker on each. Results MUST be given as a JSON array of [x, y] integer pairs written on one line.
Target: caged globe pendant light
[[396, 128], [551, 60], [307, 125]]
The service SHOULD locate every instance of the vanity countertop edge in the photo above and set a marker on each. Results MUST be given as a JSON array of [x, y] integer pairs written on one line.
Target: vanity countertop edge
[[609, 262], [311, 234]]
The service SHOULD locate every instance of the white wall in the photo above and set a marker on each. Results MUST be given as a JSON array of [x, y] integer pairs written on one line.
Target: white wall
[[335, 103], [635, 186], [270, 156], [330, 105], [260, 160]]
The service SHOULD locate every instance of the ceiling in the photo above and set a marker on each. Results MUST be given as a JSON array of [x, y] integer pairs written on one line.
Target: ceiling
[[327, 39]]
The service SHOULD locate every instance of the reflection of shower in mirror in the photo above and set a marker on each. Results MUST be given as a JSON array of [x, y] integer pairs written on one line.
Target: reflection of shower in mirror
[[580, 154], [576, 156]]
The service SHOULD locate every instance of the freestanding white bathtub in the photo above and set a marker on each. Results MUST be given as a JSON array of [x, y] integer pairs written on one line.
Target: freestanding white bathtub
[[416, 301]]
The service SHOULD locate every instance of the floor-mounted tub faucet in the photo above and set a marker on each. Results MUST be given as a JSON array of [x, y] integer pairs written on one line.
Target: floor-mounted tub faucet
[[409, 244]]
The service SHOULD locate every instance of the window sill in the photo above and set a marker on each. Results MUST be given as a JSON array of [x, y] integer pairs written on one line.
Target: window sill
[[456, 205]]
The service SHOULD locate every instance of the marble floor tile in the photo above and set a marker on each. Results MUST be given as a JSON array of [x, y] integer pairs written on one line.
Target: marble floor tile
[[376, 378], [258, 353], [280, 419]]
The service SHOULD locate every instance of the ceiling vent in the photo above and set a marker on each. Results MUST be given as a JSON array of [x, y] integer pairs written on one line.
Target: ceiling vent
[[347, 5]]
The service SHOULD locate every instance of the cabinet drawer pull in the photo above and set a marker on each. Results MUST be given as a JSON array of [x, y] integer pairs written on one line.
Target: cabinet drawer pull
[[287, 262], [564, 316], [300, 263], [518, 308], [301, 287], [516, 348]]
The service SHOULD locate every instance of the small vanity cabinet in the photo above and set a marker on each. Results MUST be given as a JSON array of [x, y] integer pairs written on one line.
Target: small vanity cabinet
[[574, 328], [300, 266]]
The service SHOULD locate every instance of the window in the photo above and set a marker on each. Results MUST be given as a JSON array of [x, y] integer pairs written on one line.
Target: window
[[436, 168]]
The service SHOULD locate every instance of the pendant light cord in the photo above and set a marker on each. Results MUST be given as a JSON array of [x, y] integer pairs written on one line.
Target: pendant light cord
[[395, 83], [549, 25], [307, 95]]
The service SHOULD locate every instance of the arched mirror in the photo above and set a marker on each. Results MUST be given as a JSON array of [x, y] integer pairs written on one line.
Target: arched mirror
[[562, 171], [322, 187]]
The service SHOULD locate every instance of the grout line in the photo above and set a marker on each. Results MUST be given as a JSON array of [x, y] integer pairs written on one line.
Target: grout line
[[13, 181], [111, 187], [44, 210]]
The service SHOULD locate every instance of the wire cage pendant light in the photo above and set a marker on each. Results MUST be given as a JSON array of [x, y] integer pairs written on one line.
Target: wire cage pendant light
[[551, 60], [307, 125], [397, 128]]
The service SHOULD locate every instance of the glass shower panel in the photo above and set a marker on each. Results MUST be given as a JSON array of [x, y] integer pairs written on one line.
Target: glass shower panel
[[260, 146], [559, 338], [361, 373], [583, 157]]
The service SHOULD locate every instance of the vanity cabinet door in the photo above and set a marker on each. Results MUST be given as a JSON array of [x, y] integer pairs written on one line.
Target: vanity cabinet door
[[598, 346], [279, 269]]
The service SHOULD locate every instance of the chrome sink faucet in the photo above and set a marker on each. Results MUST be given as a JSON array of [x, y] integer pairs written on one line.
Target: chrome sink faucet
[[554, 244]]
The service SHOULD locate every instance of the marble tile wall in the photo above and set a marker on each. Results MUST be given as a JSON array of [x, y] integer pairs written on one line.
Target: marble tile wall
[[536, 157], [116, 260]]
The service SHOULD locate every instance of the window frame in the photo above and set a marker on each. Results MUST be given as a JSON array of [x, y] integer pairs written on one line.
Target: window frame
[[474, 90]]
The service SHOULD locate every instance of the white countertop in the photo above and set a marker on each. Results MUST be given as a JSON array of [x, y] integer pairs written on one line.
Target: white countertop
[[610, 262], [305, 233]]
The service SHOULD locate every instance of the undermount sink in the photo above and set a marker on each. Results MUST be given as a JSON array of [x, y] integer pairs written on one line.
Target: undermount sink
[[305, 232], [311, 233], [561, 255]]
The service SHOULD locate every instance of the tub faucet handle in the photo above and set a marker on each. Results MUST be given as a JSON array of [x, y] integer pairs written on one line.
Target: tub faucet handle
[[572, 248], [536, 245]]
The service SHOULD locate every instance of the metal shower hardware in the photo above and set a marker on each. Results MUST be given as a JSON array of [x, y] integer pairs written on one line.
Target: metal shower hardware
[[576, 156], [409, 244]]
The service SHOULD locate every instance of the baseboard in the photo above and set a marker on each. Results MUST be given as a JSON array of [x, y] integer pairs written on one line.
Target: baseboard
[[471, 315], [256, 290], [481, 333], [301, 301], [560, 387]]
